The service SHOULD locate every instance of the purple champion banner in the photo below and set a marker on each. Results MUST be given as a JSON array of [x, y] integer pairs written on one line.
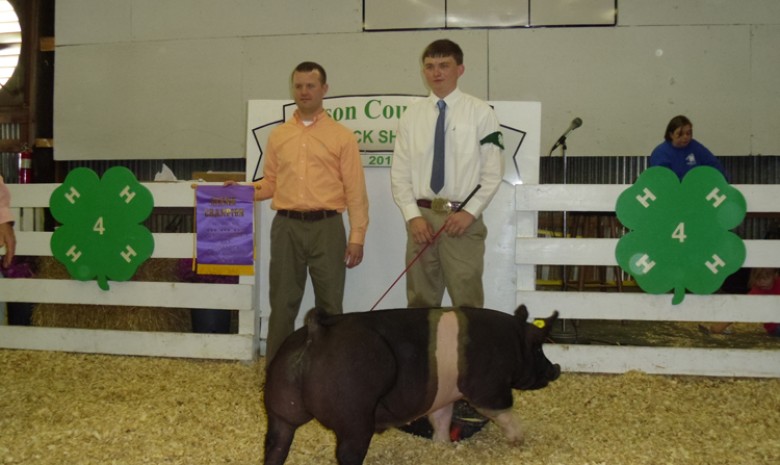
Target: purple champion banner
[[224, 219]]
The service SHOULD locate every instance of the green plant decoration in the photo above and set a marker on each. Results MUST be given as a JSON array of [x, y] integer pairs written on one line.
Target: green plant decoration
[[680, 231], [100, 236]]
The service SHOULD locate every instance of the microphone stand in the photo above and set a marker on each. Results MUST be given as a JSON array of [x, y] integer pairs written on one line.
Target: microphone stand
[[565, 229], [564, 336], [562, 143]]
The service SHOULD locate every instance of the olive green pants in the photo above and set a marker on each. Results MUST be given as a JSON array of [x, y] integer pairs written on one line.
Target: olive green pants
[[300, 249], [452, 263]]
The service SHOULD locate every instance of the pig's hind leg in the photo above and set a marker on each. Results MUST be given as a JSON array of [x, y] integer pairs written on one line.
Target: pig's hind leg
[[352, 418], [278, 439], [284, 407], [344, 388], [352, 446]]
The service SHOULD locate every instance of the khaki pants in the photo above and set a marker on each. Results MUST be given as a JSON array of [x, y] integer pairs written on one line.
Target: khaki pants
[[454, 263], [300, 249]]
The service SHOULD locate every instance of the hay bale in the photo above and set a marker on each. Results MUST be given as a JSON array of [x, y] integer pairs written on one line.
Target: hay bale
[[60, 408], [116, 317]]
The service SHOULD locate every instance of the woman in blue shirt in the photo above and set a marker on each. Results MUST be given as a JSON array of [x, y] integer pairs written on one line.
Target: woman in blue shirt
[[680, 152]]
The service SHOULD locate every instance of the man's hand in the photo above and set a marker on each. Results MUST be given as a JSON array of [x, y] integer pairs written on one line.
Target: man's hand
[[8, 239], [422, 231], [229, 182], [457, 223], [353, 255]]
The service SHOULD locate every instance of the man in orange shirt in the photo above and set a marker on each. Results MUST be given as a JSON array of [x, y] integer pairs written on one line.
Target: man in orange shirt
[[312, 173], [7, 237]]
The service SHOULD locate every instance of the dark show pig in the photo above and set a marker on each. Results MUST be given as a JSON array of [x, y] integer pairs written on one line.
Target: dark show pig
[[362, 373]]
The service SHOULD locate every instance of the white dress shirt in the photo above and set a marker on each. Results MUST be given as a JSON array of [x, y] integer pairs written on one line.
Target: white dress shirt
[[468, 159]]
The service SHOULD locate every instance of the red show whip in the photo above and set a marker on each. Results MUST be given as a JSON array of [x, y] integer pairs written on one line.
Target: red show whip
[[460, 207]]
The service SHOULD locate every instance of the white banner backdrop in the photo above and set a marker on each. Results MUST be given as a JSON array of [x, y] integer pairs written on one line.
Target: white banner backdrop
[[374, 119]]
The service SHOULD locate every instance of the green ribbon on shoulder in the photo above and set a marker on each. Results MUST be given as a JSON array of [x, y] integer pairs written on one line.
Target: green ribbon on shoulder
[[495, 138]]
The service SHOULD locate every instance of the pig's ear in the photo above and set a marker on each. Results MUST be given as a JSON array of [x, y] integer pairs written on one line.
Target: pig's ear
[[551, 320], [522, 313], [545, 324]]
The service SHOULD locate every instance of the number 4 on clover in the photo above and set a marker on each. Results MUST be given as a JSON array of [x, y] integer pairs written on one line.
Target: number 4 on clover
[[100, 236], [680, 234]]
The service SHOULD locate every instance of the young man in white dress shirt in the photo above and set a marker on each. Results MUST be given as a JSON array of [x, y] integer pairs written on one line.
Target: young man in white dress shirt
[[472, 156]]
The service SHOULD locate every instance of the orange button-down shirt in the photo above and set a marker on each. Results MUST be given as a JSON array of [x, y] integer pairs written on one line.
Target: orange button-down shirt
[[5, 203], [315, 167]]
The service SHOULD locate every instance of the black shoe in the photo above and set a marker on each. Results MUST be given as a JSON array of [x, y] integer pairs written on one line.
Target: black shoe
[[465, 423]]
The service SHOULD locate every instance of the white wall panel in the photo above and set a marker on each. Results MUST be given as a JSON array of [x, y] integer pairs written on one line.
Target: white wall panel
[[404, 14], [765, 90], [572, 12], [92, 21], [150, 79], [187, 99], [173, 19], [626, 83], [495, 13], [149, 100], [701, 12], [103, 21], [379, 68]]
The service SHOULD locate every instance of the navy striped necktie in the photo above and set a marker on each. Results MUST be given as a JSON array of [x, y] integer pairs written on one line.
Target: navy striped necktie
[[437, 172]]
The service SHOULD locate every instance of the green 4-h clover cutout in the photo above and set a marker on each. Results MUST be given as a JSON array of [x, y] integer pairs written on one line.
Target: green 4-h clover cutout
[[100, 236], [680, 231]]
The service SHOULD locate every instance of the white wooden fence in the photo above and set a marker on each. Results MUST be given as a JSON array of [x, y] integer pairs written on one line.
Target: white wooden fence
[[241, 297], [532, 251]]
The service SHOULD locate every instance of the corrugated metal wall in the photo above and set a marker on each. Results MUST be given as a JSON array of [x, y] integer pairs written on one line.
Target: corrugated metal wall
[[580, 170], [625, 170], [145, 170], [9, 163]]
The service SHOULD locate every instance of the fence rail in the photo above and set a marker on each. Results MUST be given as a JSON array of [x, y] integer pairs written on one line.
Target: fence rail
[[532, 251], [28, 200]]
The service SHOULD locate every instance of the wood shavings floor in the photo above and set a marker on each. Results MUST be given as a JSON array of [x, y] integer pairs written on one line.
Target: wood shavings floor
[[58, 408]]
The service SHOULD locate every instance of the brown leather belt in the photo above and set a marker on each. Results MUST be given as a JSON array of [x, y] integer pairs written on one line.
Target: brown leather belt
[[313, 215], [439, 205]]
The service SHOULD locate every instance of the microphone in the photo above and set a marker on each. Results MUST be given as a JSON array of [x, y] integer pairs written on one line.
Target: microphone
[[575, 123]]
